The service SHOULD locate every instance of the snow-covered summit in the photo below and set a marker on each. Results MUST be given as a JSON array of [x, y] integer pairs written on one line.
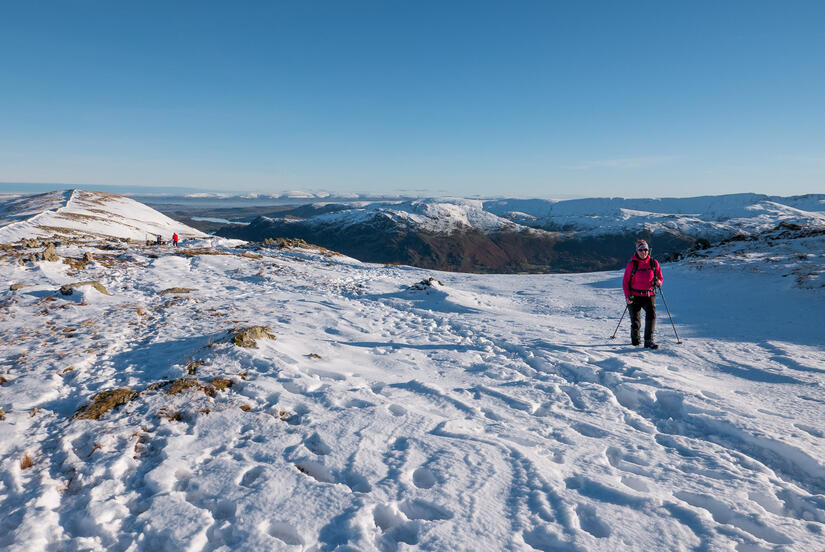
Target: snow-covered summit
[[85, 213], [438, 216]]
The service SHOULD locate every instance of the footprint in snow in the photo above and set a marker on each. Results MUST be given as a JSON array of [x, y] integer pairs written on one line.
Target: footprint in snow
[[589, 430], [423, 478], [251, 475], [316, 445], [286, 533], [591, 522], [421, 509]]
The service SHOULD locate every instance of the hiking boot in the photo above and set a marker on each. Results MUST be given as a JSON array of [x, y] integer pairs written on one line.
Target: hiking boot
[[651, 345], [634, 342]]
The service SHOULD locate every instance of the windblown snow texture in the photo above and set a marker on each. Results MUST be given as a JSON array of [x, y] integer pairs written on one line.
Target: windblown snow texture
[[467, 412]]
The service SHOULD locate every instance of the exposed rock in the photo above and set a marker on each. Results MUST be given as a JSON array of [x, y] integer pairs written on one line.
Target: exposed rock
[[176, 291], [15, 287], [50, 255], [105, 401], [297, 243], [68, 289], [193, 365], [426, 284], [248, 337], [87, 257]]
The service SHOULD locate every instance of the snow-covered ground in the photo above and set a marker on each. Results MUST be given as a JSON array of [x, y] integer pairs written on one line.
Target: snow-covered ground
[[488, 413]]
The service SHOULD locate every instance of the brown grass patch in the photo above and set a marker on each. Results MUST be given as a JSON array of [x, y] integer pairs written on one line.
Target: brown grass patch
[[246, 407], [183, 384], [26, 462], [200, 251], [103, 402], [220, 384]]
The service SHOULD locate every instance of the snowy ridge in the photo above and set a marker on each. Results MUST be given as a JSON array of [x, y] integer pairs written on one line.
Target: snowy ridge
[[84, 213], [481, 412]]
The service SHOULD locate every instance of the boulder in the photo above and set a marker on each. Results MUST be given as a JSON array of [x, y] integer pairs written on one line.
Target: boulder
[[68, 289], [49, 254], [248, 337]]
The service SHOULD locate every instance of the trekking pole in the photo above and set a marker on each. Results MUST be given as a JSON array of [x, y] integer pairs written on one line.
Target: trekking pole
[[679, 341], [619, 324]]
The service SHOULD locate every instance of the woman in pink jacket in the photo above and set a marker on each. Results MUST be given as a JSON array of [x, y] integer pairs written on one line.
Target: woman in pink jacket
[[641, 278]]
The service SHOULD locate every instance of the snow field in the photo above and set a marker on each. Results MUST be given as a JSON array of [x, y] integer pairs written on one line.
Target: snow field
[[487, 413]]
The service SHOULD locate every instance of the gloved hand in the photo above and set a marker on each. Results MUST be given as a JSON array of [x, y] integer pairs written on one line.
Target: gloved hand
[[629, 300], [658, 283]]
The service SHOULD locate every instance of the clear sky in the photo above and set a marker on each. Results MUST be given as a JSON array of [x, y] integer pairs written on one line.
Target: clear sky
[[516, 98]]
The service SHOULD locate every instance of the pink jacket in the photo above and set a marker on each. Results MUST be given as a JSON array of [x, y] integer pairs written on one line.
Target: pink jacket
[[642, 282]]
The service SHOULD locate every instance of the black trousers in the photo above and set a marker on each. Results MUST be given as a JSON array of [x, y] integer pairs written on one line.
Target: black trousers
[[649, 306]]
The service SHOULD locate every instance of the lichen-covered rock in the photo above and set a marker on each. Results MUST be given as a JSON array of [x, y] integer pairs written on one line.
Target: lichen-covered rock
[[176, 291], [248, 337], [103, 402], [50, 255], [15, 287], [68, 289]]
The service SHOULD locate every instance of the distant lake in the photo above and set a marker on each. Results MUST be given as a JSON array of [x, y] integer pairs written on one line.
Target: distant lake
[[219, 220]]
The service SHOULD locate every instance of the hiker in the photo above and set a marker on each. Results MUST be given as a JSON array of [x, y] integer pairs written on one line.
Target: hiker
[[175, 239], [641, 278], [158, 240]]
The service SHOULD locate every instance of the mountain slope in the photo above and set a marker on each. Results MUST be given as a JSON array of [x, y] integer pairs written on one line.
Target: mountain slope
[[486, 412], [84, 213]]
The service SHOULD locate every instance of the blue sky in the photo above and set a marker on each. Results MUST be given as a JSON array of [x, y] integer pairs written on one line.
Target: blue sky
[[521, 98]]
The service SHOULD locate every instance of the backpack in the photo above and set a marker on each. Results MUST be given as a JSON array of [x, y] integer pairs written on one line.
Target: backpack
[[654, 264]]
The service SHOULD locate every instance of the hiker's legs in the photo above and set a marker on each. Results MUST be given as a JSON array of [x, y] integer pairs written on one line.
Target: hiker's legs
[[650, 318], [635, 319]]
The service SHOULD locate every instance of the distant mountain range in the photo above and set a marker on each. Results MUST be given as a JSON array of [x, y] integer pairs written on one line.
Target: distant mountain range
[[503, 235], [516, 235]]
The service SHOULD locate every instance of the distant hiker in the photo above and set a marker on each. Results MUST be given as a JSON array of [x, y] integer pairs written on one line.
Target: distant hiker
[[158, 240], [641, 278], [175, 239]]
